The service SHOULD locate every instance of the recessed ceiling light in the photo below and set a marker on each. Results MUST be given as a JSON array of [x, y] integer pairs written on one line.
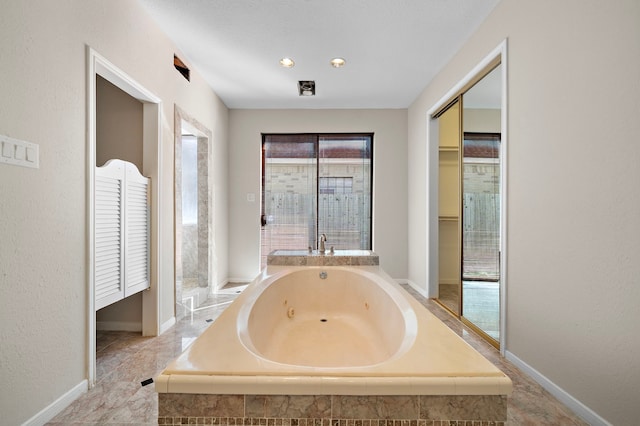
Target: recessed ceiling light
[[287, 62], [337, 62]]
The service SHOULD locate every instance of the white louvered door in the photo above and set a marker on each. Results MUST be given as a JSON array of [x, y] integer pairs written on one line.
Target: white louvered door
[[121, 232], [136, 232], [109, 273]]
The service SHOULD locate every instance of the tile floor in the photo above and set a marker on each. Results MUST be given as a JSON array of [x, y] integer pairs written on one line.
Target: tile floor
[[126, 359]]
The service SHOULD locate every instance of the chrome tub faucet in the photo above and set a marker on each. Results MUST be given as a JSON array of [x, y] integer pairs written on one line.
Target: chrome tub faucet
[[323, 239]]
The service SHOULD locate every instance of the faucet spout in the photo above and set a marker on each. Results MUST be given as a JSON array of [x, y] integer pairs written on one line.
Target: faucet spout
[[323, 239]]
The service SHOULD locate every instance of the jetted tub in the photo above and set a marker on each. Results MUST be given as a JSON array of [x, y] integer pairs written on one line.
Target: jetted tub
[[327, 330], [321, 320]]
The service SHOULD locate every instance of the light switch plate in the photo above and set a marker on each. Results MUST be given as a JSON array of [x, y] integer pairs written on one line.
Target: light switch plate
[[7, 150], [19, 153]]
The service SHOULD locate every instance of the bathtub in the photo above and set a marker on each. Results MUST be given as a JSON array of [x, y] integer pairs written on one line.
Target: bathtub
[[336, 332]]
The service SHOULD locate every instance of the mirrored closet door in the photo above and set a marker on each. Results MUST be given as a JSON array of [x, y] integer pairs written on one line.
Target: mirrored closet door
[[469, 221]]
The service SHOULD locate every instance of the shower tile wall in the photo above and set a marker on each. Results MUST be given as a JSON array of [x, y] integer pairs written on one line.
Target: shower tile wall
[[192, 270], [189, 255], [203, 213]]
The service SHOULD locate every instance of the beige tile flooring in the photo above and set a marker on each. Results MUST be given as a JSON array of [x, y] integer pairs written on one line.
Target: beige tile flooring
[[126, 359]]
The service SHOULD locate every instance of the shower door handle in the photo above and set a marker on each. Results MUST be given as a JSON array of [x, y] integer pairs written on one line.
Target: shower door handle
[[263, 220]]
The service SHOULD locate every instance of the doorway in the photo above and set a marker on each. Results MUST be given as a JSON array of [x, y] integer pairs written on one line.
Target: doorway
[[98, 66], [192, 227], [118, 137], [469, 128]]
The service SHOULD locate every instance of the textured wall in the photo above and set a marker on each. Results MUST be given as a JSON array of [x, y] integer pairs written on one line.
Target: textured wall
[[573, 231], [43, 272]]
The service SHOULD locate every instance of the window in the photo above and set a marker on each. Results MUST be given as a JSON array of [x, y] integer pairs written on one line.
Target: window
[[315, 184], [335, 185]]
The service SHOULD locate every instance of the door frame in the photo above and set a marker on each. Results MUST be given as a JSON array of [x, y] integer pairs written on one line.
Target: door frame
[[205, 141], [152, 161], [498, 54]]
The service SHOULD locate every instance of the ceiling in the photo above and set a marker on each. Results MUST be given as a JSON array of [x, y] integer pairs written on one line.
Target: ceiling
[[392, 48]]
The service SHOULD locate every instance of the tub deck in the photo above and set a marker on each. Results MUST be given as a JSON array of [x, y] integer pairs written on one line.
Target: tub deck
[[216, 377]]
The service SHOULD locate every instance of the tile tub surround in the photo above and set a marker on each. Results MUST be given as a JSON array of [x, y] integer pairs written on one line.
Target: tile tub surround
[[314, 258], [331, 409]]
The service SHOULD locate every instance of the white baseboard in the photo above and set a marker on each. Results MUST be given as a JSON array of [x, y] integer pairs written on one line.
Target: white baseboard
[[240, 280], [118, 326], [167, 325], [414, 286], [221, 284], [587, 414], [56, 407]]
